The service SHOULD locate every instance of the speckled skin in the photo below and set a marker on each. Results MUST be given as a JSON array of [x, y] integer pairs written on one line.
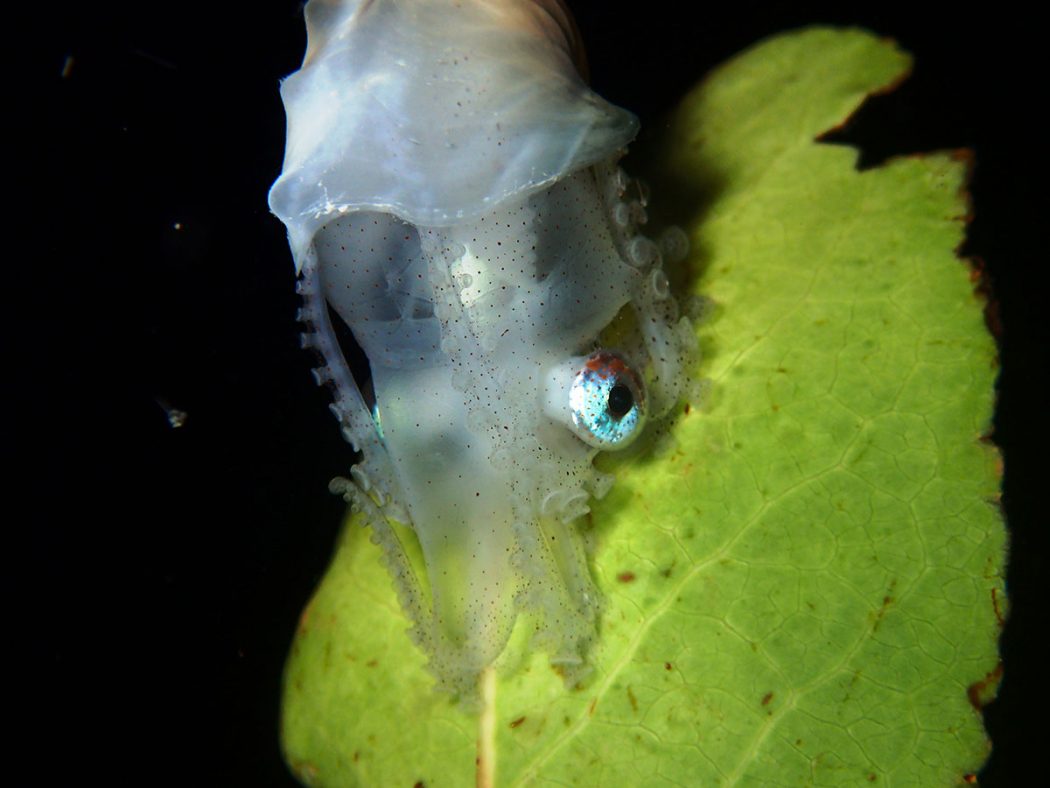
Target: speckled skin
[[450, 189]]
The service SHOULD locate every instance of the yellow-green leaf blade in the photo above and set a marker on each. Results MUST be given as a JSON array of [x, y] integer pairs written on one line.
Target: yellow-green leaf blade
[[805, 590]]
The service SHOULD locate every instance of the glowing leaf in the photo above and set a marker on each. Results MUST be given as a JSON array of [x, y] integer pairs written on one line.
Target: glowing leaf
[[807, 590]]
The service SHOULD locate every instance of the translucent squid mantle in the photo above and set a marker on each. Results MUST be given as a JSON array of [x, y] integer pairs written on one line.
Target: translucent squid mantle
[[451, 193]]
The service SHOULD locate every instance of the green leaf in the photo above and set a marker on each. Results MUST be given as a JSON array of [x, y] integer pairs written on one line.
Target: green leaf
[[807, 589]]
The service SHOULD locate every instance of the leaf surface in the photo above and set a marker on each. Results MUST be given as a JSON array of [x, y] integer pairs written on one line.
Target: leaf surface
[[807, 589]]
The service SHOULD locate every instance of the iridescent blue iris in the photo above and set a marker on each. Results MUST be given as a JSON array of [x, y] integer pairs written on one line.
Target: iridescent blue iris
[[607, 401]]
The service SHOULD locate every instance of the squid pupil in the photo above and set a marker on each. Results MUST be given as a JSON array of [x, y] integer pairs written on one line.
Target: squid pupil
[[620, 401]]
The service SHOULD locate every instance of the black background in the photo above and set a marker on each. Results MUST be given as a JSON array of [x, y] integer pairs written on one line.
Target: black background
[[157, 574]]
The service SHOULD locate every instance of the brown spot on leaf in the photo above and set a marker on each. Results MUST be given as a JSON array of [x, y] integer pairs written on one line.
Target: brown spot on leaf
[[767, 698], [982, 290], [419, 784], [626, 577], [871, 777], [517, 722], [590, 709], [633, 700], [970, 778], [687, 409], [306, 770], [887, 600], [372, 663], [982, 692], [356, 756], [998, 610], [667, 666]]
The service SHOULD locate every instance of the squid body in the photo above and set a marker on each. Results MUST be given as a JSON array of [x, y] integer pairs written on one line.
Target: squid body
[[451, 193]]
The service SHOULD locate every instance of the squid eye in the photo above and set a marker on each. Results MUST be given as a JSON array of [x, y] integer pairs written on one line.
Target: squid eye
[[599, 397]]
